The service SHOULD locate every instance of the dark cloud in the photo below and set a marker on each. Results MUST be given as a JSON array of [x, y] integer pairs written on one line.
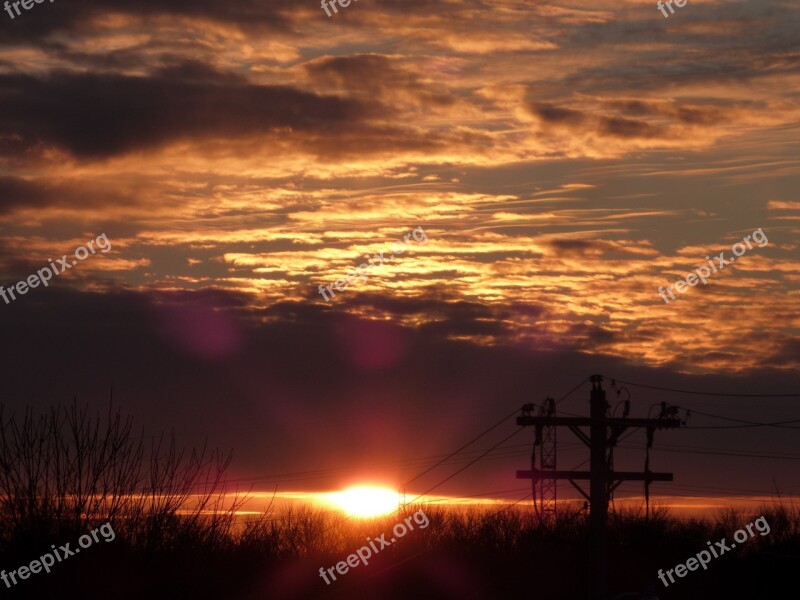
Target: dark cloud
[[193, 71], [786, 354], [463, 329], [375, 74], [435, 302], [700, 115], [684, 112], [628, 128], [447, 316], [525, 310], [289, 383], [593, 335], [603, 125], [359, 70], [95, 116], [76, 16], [205, 361], [633, 108], [15, 191], [576, 247], [556, 115]]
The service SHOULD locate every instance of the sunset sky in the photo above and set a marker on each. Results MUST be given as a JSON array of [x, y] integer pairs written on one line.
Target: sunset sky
[[565, 159]]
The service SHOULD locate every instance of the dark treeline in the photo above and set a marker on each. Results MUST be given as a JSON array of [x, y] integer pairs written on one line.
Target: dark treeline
[[178, 534]]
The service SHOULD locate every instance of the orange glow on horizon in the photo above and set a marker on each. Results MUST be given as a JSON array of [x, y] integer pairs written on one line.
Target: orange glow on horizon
[[366, 501]]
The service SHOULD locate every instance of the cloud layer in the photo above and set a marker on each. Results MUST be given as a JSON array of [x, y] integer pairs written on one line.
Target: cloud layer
[[565, 162]]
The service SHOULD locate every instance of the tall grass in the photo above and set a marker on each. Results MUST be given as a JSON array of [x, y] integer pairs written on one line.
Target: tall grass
[[64, 471]]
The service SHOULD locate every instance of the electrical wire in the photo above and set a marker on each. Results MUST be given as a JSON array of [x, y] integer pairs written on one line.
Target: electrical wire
[[569, 393], [711, 453], [469, 443], [696, 393], [465, 467], [783, 424], [779, 424]]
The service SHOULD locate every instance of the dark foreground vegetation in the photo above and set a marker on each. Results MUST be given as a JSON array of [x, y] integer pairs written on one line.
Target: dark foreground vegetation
[[178, 534]]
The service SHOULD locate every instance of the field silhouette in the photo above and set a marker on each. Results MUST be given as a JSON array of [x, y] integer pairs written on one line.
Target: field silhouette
[[179, 533]]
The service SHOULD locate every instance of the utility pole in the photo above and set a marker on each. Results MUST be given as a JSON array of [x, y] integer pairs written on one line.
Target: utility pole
[[604, 432], [544, 490], [598, 486]]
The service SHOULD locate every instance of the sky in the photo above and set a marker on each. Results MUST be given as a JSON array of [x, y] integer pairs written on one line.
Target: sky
[[558, 163]]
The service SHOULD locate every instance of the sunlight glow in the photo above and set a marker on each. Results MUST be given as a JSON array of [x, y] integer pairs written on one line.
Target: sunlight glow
[[366, 501]]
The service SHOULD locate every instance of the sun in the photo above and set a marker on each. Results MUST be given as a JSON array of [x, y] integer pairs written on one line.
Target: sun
[[366, 501]]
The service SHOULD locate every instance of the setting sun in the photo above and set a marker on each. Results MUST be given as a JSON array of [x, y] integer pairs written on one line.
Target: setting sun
[[366, 501]]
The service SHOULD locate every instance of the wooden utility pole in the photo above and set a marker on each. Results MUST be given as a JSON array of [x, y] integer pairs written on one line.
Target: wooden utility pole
[[604, 433]]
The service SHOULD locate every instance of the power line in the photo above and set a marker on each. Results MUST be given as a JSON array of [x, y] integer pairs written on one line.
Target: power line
[[697, 393], [446, 479], [511, 451], [576, 388], [726, 490], [717, 448], [321, 473], [483, 495], [749, 423], [403, 464], [469, 443], [781, 424], [713, 453], [503, 420], [464, 468], [687, 450]]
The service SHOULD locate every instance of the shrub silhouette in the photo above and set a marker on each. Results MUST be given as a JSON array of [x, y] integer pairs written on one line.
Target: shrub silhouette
[[180, 534]]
